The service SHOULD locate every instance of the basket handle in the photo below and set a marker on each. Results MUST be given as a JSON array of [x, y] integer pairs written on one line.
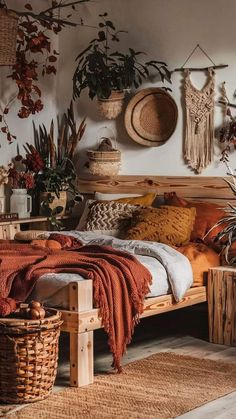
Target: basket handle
[[101, 137]]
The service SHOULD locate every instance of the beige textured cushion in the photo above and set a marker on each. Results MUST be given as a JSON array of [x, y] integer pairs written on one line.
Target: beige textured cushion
[[110, 217], [28, 235]]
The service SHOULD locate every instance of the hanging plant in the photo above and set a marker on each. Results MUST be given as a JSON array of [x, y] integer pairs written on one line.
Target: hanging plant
[[33, 37], [108, 73]]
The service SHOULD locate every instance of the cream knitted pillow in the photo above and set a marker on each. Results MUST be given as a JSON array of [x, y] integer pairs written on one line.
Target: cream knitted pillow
[[28, 235], [110, 217]]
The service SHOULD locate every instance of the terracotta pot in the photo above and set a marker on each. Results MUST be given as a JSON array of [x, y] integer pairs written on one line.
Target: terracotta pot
[[57, 202], [110, 108]]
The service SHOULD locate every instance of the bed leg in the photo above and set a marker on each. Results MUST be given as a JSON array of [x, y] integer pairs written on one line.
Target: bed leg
[[81, 359], [81, 344]]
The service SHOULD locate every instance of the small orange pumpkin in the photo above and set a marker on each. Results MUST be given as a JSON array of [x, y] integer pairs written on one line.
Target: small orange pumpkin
[[50, 244]]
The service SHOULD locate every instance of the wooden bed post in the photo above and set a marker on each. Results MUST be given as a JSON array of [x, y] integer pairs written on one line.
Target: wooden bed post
[[81, 344]]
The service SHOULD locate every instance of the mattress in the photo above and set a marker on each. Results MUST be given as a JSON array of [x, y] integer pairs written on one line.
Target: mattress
[[53, 291], [171, 275]]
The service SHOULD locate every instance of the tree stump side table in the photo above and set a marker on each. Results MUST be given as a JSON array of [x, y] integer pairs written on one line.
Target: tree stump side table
[[222, 305]]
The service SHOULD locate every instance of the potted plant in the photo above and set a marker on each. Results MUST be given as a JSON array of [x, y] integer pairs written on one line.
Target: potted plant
[[51, 161], [106, 74]]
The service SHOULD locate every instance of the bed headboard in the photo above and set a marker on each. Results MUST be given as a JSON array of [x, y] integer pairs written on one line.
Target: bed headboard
[[213, 189]]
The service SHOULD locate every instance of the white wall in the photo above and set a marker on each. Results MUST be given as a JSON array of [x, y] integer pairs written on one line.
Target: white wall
[[166, 30]]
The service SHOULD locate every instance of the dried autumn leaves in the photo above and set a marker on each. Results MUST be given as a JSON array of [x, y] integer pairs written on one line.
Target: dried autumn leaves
[[35, 57]]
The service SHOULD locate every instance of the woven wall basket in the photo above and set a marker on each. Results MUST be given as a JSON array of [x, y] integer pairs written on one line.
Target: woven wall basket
[[110, 108], [28, 357], [104, 163], [8, 36], [151, 117]]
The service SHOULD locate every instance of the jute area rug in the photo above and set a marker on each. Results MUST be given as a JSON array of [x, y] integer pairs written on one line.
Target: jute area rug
[[162, 386]]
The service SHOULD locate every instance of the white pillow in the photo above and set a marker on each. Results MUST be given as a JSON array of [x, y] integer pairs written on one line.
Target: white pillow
[[99, 196]]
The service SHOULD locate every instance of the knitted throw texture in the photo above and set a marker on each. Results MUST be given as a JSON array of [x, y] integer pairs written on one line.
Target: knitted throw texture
[[120, 283]]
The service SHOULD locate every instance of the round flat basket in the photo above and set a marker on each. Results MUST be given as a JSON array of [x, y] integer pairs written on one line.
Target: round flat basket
[[151, 117]]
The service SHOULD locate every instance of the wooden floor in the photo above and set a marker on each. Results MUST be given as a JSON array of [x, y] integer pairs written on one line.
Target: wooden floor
[[184, 332]]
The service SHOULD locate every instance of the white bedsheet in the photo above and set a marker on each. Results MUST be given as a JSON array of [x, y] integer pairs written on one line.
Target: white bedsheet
[[170, 270]]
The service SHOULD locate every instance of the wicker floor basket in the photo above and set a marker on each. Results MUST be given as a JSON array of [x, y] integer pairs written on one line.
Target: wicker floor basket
[[8, 35], [28, 357]]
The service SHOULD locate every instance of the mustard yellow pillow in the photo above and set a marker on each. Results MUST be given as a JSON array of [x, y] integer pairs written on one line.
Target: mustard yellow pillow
[[144, 200], [167, 224]]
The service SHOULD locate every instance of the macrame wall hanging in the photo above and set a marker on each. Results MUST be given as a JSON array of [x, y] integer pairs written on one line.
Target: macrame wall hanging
[[199, 109]]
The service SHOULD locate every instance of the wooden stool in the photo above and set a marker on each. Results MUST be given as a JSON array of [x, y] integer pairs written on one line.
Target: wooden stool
[[222, 305]]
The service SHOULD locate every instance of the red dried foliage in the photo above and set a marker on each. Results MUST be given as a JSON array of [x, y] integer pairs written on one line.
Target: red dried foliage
[[33, 161], [21, 180], [31, 40]]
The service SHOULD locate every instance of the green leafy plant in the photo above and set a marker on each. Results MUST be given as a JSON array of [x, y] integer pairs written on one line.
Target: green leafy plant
[[103, 70]]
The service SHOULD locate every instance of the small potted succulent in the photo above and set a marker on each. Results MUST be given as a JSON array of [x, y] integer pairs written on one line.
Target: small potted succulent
[[107, 74]]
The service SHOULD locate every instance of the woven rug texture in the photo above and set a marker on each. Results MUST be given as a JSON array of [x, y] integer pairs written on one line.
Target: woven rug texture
[[161, 386]]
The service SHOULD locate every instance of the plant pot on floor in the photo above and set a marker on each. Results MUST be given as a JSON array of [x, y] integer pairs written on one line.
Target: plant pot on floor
[[57, 202], [111, 107]]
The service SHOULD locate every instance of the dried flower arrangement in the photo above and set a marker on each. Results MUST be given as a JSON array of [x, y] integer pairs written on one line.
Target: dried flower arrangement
[[33, 38], [50, 160], [21, 180], [4, 175]]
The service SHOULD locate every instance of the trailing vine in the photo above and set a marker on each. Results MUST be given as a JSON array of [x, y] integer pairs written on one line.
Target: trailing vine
[[33, 37]]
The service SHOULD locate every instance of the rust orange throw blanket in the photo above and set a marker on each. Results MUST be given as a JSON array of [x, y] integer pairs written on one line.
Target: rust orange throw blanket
[[120, 283]]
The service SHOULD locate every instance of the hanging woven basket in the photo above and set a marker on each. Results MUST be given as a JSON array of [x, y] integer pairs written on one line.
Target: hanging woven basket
[[104, 162], [110, 108], [8, 36]]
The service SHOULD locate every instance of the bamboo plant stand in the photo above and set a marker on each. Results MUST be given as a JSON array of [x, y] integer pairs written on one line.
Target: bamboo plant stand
[[222, 305]]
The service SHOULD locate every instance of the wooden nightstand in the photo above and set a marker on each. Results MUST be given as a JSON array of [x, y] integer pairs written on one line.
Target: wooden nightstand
[[8, 229], [222, 305]]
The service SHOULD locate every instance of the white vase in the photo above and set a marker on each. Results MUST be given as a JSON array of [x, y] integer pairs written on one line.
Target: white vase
[[21, 203], [2, 199]]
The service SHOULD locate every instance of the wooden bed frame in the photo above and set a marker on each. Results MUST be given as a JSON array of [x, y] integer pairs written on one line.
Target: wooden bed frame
[[82, 319]]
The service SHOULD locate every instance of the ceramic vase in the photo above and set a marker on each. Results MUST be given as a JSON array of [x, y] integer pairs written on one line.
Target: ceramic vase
[[2, 199], [21, 203]]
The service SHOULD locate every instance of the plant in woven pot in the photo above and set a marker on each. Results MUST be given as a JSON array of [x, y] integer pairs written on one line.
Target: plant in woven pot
[[108, 74]]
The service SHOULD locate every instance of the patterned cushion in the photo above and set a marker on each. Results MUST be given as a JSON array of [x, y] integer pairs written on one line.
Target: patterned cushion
[[169, 225], [110, 217]]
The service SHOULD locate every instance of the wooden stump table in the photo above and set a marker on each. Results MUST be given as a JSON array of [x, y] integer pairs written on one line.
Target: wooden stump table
[[222, 305]]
